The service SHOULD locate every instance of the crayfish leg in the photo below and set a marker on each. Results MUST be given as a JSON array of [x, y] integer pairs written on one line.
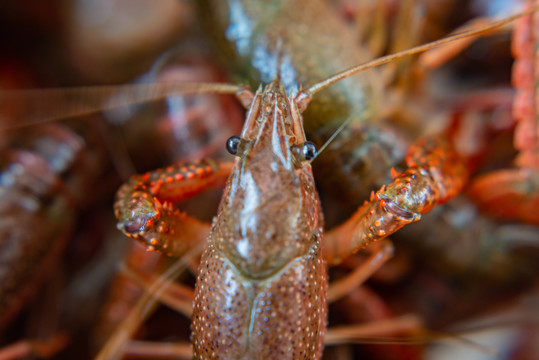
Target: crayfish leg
[[508, 194], [145, 207], [165, 350], [175, 295], [349, 333], [339, 288], [39, 348], [435, 174]]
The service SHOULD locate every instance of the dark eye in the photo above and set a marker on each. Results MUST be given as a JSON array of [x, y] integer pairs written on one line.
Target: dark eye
[[308, 151], [232, 144]]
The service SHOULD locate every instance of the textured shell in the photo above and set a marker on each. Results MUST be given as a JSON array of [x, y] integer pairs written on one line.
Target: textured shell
[[281, 317]]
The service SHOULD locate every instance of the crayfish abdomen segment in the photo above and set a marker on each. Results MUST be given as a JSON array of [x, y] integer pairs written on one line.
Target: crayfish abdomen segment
[[281, 317]]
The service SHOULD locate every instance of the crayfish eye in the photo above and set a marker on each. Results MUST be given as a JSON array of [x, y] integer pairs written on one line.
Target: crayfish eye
[[308, 151], [304, 152], [232, 144]]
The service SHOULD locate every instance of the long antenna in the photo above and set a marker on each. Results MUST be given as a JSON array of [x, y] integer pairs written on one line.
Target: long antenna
[[415, 50], [52, 104]]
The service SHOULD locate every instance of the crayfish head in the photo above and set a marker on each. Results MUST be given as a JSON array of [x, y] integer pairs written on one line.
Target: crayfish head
[[273, 132], [270, 209]]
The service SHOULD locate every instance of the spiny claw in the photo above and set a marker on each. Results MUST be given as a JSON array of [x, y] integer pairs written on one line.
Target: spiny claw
[[136, 225], [140, 217], [396, 210]]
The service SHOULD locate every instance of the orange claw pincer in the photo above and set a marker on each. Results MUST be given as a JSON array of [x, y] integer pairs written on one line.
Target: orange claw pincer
[[435, 174], [145, 211]]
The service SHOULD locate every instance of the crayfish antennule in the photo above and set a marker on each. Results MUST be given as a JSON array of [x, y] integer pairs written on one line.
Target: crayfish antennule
[[245, 97], [303, 100]]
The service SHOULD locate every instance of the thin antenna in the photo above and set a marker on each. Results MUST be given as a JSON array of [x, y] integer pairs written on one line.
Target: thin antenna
[[334, 135], [52, 104]]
